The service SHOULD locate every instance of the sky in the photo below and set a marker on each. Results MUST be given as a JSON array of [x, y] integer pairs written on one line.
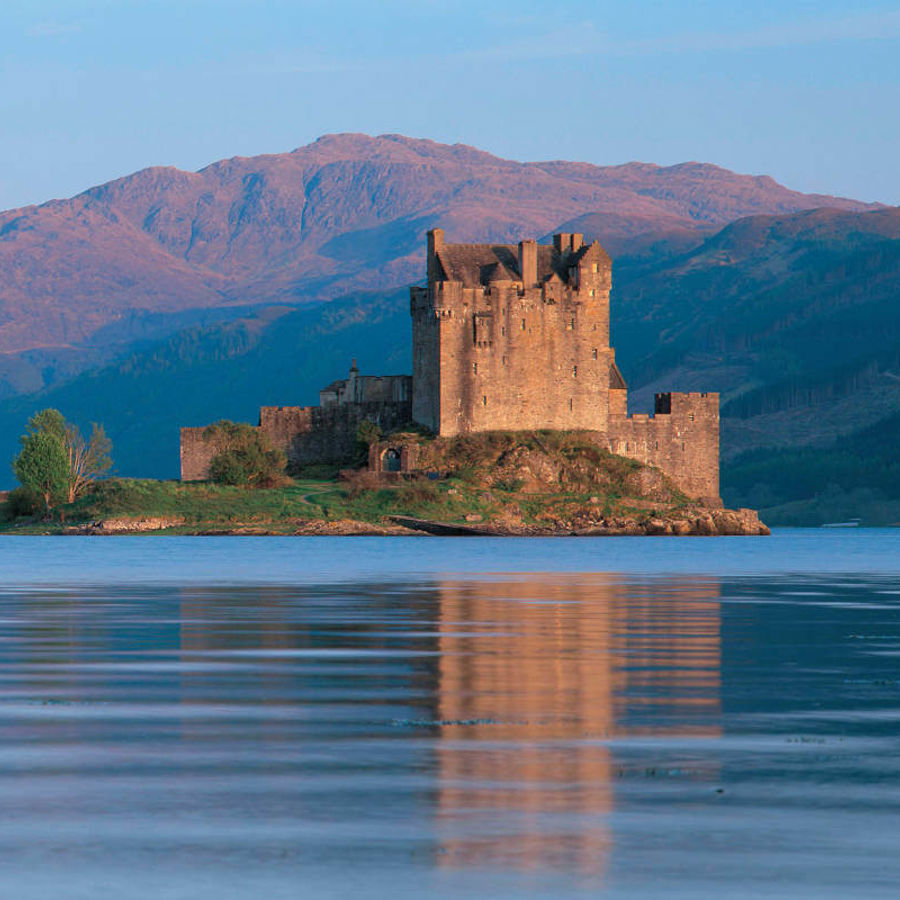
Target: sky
[[808, 92]]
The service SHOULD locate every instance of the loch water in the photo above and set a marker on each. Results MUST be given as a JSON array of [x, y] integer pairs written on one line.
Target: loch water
[[425, 717]]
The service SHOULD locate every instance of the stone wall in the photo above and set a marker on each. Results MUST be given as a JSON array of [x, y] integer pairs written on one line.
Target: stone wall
[[306, 434], [681, 439], [196, 454], [312, 434]]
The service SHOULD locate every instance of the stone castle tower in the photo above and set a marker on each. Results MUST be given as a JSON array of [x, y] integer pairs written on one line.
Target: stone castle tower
[[505, 338], [514, 338]]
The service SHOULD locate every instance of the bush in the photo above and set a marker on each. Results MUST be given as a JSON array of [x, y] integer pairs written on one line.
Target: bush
[[244, 456], [22, 502], [416, 492], [315, 471], [360, 482], [367, 433]]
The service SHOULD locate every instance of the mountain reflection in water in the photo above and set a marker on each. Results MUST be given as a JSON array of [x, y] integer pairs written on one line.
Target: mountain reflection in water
[[463, 735]]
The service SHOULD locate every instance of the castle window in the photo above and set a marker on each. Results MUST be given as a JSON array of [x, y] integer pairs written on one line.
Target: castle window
[[691, 416], [574, 371], [571, 403], [474, 368], [657, 445], [594, 268], [505, 360], [523, 324], [591, 292], [594, 353], [503, 330], [572, 325], [484, 400]]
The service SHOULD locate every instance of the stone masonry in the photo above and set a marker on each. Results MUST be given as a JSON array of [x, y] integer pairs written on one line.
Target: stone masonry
[[313, 434], [505, 337], [517, 338]]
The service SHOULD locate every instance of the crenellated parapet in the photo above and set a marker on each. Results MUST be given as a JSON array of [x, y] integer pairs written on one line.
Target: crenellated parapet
[[681, 438]]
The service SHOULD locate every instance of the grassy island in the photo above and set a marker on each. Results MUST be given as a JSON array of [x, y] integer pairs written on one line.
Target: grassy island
[[542, 483]]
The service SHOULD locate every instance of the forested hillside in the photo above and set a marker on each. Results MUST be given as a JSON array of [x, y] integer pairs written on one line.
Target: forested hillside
[[795, 319], [142, 256]]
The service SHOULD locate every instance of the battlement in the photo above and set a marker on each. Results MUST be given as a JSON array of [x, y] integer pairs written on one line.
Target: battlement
[[490, 311], [674, 403], [681, 438]]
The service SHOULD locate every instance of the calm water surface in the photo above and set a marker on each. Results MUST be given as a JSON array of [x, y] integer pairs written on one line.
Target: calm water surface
[[320, 717]]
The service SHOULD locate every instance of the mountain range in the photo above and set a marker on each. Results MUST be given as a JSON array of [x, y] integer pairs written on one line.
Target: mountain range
[[169, 298], [140, 256]]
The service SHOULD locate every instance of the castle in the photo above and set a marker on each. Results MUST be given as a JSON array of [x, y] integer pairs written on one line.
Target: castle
[[510, 338]]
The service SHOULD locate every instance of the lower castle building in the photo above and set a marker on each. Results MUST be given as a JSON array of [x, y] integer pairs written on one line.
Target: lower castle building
[[505, 337]]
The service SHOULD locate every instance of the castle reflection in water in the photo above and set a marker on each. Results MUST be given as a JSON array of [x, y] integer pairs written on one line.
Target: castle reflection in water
[[503, 701], [538, 679], [525, 686]]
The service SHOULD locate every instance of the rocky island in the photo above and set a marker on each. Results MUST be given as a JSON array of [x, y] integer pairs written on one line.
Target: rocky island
[[494, 483], [514, 422]]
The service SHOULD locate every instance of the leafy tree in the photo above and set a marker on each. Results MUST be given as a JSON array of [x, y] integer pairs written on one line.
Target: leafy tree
[[86, 460], [368, 433], [37, 465], [243, 455], [42, 467]]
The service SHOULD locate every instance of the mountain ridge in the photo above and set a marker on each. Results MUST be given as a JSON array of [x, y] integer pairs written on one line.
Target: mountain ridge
[[344, 213]]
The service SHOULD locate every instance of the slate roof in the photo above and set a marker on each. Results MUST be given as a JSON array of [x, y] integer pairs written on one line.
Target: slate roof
[[481, 264]]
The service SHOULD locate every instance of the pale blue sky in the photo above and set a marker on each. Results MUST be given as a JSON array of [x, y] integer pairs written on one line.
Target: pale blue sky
[[808, 92]]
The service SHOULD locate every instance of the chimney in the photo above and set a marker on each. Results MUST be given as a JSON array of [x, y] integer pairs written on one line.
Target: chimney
[[528, 263], [435, 243], [562, 242], [577, 242]]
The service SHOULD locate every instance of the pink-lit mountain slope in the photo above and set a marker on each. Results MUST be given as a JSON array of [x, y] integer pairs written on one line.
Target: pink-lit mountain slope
[[346, 212]]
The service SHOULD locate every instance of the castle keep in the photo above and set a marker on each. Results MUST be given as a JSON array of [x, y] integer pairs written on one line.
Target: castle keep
[[505, 337]]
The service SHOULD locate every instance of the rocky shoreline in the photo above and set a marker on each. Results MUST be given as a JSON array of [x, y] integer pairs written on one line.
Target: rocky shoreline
[[697, 522]]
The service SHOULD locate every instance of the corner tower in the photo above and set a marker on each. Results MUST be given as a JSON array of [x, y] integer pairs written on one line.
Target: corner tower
[[515, 338]]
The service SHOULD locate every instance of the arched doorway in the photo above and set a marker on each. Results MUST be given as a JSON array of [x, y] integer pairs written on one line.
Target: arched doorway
[[390, 460]]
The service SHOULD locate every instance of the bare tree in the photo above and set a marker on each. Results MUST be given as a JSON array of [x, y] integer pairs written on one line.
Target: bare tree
[[88, 459]]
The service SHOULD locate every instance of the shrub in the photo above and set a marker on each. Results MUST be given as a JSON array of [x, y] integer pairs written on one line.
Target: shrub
[[415, 492], [244, 456], [367, 433], [315, 471], [22, 502], [468, 474], [359, 482]]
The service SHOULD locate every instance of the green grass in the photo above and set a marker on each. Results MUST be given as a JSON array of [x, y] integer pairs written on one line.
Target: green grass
[[482, 482]]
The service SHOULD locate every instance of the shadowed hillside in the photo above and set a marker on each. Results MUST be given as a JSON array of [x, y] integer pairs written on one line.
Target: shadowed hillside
[[277, 356], [127, 260], [795, 319]]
